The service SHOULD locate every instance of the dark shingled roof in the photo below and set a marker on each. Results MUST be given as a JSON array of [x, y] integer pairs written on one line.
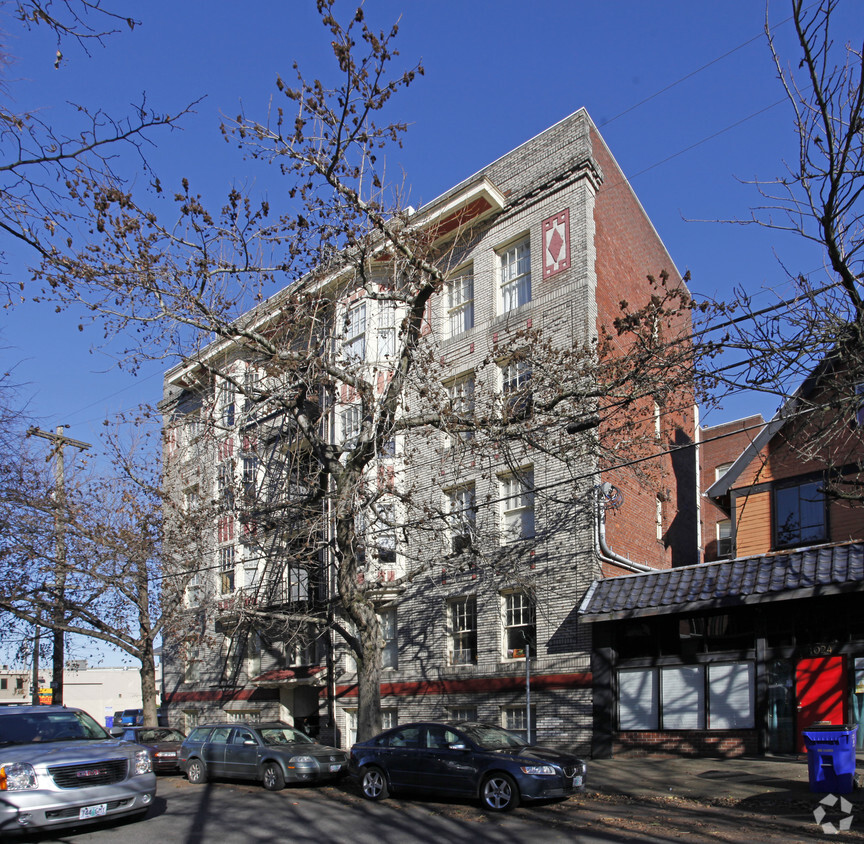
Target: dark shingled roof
[[822, 570]]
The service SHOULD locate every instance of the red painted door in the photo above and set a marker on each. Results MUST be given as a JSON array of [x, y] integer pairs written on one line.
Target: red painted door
[[820, 689]]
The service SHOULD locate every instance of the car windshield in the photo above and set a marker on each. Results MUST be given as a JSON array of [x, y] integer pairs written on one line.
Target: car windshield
[[488, 737], [160, 735], [49, 726], [284, 735]]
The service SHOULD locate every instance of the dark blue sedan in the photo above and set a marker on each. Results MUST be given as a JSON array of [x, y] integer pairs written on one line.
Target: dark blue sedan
[[464, 759]]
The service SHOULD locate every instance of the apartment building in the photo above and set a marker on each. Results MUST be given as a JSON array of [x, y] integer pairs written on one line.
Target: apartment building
[[523, 465]]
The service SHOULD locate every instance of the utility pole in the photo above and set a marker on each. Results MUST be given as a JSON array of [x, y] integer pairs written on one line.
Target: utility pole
[[59, 442], [34, 682]]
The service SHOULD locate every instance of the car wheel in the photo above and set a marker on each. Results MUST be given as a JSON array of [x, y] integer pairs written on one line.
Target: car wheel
[[374, 784], [272, 777], [499, 793], [196, 773]]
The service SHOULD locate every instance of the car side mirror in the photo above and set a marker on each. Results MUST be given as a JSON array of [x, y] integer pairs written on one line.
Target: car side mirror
[[248, 742], [458, 745]]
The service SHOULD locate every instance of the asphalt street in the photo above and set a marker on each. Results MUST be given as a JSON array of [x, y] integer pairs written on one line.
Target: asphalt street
[[237, 813]]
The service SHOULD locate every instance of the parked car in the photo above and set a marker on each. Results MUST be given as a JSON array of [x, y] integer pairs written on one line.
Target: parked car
[[464, 759], [134, 718], [131, 717], [58, 767], [274, 754], [162, 742]]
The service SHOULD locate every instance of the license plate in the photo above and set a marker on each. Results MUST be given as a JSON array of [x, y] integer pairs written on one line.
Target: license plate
[[577, 782], [166, 753], [92, 811], [335, 768]]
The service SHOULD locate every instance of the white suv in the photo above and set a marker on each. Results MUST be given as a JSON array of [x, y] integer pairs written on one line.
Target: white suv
[[58, 767]]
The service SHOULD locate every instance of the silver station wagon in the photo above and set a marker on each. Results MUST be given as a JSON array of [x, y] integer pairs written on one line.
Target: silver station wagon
[[274, 754], [58, 767]]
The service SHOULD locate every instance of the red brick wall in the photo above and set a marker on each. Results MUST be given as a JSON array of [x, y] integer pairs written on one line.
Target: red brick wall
[[628, 249], [722, 745], [720, 444]]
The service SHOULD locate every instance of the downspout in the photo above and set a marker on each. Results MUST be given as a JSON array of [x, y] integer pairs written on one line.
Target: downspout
[[603, 551]]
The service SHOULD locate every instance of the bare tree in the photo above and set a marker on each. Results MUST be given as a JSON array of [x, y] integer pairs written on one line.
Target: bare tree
[[266, 314], [38, 160], [123, 582], [815, 338]]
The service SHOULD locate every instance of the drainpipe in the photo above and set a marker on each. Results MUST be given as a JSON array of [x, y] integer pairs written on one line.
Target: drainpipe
[[605, 490]]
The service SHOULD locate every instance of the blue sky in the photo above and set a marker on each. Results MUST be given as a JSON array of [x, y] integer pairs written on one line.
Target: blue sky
[[685, 94]]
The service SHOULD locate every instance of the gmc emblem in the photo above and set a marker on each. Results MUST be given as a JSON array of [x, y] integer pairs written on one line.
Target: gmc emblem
[[91, 772]]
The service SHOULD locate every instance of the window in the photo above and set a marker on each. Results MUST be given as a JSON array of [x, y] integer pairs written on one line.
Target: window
[[389, 720], [296, 582], [658, 518], [799, 514], [226, 570], [254, 646], [351, 419], [515, 386], [515, 268], [230, 659], [462, 614], [225, 483], [461, 394], [190, 719], [390, 652], [687, 697], [638, 699], [517, 506], [191, 499], [354, 346], [192, 436], [4, 684], [385, 534], [250, 477], [301, 648], [192, 671], [250, 379], [460, 304], [225, 529], [243, 716], [731, 694], [682, 697], [462, 517], [721, 470], [463, 713], [405, 737], [226, 399], [515, 719], [387, 330], [724, 538], [193, 591], [520, 629]]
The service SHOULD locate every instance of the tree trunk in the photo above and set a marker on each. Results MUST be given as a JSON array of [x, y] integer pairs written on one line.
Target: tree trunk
[[148, 684], [369, 684]]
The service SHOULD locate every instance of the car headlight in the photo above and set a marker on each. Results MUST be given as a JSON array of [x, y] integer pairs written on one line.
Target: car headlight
[[143, 765], [301, 760], [539, 770], [17, 776]]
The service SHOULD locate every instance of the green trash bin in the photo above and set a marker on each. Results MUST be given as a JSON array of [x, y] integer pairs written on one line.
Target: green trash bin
[[831, 757]]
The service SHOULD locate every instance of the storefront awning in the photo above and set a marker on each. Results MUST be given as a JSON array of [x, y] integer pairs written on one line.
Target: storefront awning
[[805, 573]]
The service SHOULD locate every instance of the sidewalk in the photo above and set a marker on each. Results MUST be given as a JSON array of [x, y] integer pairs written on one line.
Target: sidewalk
[[769, 780]]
